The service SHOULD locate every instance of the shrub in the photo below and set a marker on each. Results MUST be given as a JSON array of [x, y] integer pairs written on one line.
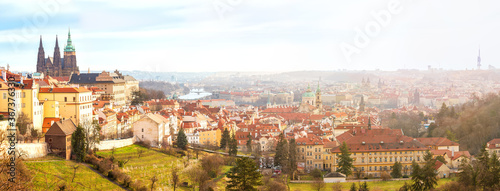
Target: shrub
[[316, 174], [105, 166], [138, 185], [146, 144], [337, 186], [405, 176], [455, 186], [126, 180], [385, 176]]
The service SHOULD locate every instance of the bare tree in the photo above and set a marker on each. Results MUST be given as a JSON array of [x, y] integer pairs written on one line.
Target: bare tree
[[153, 179], [175, 177], [140, 151], [92, 130], [74, 171]]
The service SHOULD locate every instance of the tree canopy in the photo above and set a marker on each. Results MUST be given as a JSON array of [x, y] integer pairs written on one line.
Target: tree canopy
[[244, 176], [345, 161]]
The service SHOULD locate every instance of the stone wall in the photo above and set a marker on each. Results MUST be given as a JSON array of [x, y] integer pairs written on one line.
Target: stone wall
[[32, 150], [106, 145]]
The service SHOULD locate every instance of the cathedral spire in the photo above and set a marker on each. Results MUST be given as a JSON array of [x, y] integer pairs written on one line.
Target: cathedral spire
[[57, 43], [318, 90], [41, 45], [69, 43], [40, 63]]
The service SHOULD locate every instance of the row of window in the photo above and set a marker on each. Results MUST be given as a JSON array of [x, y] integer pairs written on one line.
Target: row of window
[[386, 153]]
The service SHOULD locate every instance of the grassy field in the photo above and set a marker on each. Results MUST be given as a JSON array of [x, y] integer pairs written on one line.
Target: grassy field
[[50, 175], [151, 163], [375, 185]]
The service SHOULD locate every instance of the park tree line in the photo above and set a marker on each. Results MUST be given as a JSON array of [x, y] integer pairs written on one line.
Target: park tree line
[[472, 124]]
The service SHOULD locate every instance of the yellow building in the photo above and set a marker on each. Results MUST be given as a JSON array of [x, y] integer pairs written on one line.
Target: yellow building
[[375, 151], [210, 136], [113, 85], [74, 103], [30, 106], [310, 152]]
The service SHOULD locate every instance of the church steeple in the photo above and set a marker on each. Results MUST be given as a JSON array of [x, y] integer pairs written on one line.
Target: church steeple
[[57, 60], [69, 44], [40, 62]]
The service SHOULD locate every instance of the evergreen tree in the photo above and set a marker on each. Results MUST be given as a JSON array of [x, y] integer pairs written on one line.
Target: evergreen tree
[[363, 187], [224, 140], [281, 152], [292, 156], [79, 144], [249, 143], [345, 160], [424, 178], [138, 97], [233, 146], [396, 170], [182, 141], [244, 176], [353, 187], [416, 177], [431, 128], [467, 174], [493, 172]]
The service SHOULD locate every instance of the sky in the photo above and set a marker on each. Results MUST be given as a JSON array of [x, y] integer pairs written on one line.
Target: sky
[[254, 35]]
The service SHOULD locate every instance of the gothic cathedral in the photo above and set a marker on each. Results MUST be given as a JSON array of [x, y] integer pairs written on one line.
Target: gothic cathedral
[[57, 66]]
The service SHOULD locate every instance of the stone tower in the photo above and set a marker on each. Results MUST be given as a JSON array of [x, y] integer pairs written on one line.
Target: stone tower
[[40, 62], [69, 58], [57, 65], [319, 103]]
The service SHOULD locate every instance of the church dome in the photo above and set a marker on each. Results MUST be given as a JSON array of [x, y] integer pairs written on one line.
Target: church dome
[[308, 93]]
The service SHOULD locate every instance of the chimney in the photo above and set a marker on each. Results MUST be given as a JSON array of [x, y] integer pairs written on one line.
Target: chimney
[[452, 153]]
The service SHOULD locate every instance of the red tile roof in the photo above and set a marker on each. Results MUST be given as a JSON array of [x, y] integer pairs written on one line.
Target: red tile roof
[[64, 90]]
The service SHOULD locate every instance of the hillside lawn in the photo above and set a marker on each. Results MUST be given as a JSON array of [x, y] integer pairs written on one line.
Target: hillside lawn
[[372, 185], [151, 163], [50, 172]]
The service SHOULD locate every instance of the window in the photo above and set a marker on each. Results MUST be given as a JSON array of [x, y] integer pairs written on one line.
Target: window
[[375, 168], [4, 95], [65, 99], [142, 129], [370, 168], [375, 159], [24, 94]]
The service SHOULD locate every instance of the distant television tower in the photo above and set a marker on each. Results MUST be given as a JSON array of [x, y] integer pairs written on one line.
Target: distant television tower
[[479, 59]]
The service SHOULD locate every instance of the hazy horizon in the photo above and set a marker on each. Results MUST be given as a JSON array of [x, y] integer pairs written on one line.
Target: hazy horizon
[[254, 36]]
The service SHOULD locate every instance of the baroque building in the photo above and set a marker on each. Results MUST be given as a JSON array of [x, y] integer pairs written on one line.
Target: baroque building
[[56, 66]]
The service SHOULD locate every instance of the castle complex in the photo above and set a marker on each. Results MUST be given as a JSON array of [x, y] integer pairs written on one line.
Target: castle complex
[[57, 66]]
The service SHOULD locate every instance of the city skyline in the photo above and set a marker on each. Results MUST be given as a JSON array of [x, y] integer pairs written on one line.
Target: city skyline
[[254, 36]]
